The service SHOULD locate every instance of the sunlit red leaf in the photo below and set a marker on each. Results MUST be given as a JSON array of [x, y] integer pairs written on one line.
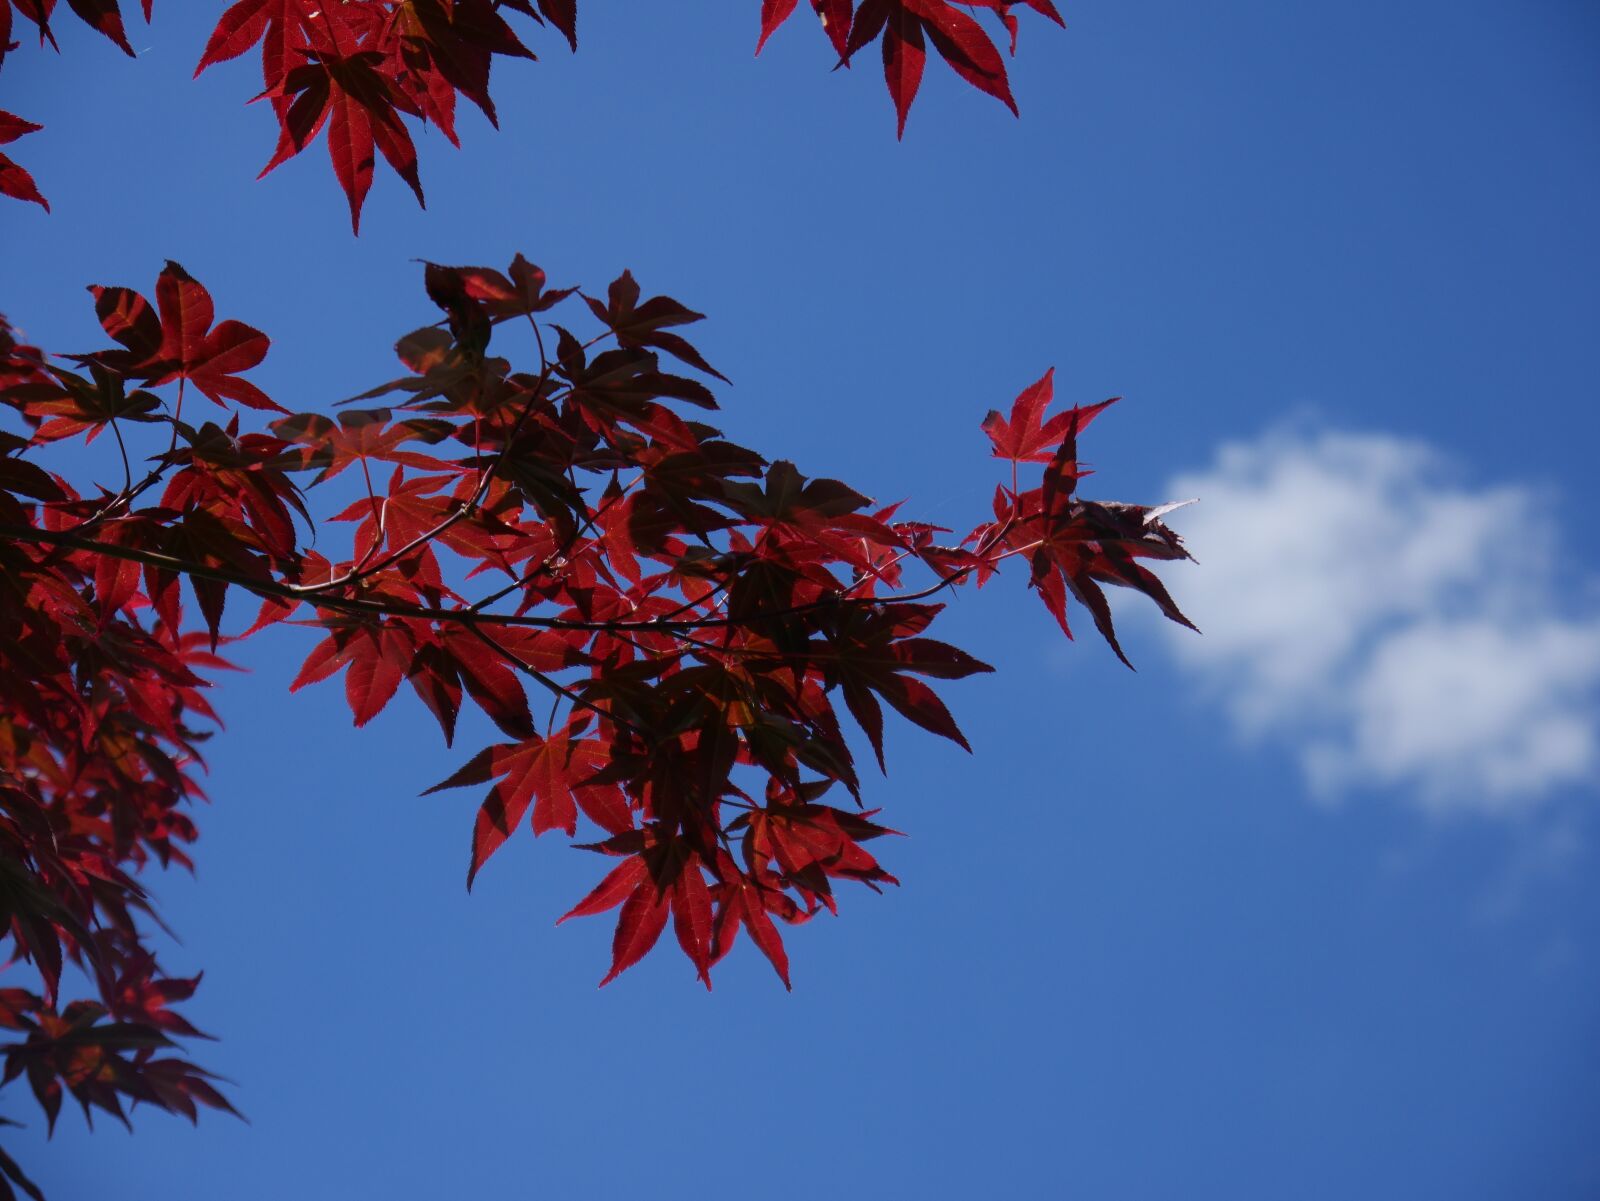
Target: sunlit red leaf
[[1026, 437], [773, 14], [618, 885], [743, 905], [903, 57], [553, 775], [691, 918], [639, 925]]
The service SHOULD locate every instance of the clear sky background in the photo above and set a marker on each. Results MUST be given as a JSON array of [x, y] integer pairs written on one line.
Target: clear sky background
[[1305, 908]]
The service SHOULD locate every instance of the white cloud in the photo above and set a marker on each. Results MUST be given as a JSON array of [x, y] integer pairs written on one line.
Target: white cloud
[[1396, 626]]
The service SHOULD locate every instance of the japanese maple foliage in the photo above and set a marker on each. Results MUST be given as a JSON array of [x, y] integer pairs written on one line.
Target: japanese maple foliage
[[99, 707], [677, 639], [906, 28], [544, 509], [359, 68]]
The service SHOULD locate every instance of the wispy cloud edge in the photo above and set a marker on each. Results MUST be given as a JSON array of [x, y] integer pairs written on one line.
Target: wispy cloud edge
[[1395, 622]]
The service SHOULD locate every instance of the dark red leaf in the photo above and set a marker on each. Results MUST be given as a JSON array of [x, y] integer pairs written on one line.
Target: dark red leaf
[[903, 59], [14, 181], [104, 17], [961, 42], [563, 14], [239, 28]]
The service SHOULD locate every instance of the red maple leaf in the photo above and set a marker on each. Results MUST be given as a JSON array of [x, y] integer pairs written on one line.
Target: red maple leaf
[[362, 111], [959, 39], [14, 181], [637, 325], [175, 340], [834, 16], [551, 774], [661, 877], [1026, 437]]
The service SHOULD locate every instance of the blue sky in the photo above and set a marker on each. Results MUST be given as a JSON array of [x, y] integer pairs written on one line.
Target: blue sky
[[1303, 909]]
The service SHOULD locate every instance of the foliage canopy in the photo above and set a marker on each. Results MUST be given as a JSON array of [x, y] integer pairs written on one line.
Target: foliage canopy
[[545, 515]]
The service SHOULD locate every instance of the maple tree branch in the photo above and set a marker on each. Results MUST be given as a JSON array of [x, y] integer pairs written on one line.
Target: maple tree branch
[[122, 447], [555, 686], [590, 517], [597, 339], [875, 572], [365, 570], [130, 492], [266, 588], [724, 583], [694, 602], [538, 339], [274, 589], [477, 451], [361, 572], [379, 514]]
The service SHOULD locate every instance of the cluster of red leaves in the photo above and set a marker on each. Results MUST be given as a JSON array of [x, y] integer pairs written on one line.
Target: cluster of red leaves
[[905, 28], [359, 67], [1074, 545], [693, 611], [100, 697]]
